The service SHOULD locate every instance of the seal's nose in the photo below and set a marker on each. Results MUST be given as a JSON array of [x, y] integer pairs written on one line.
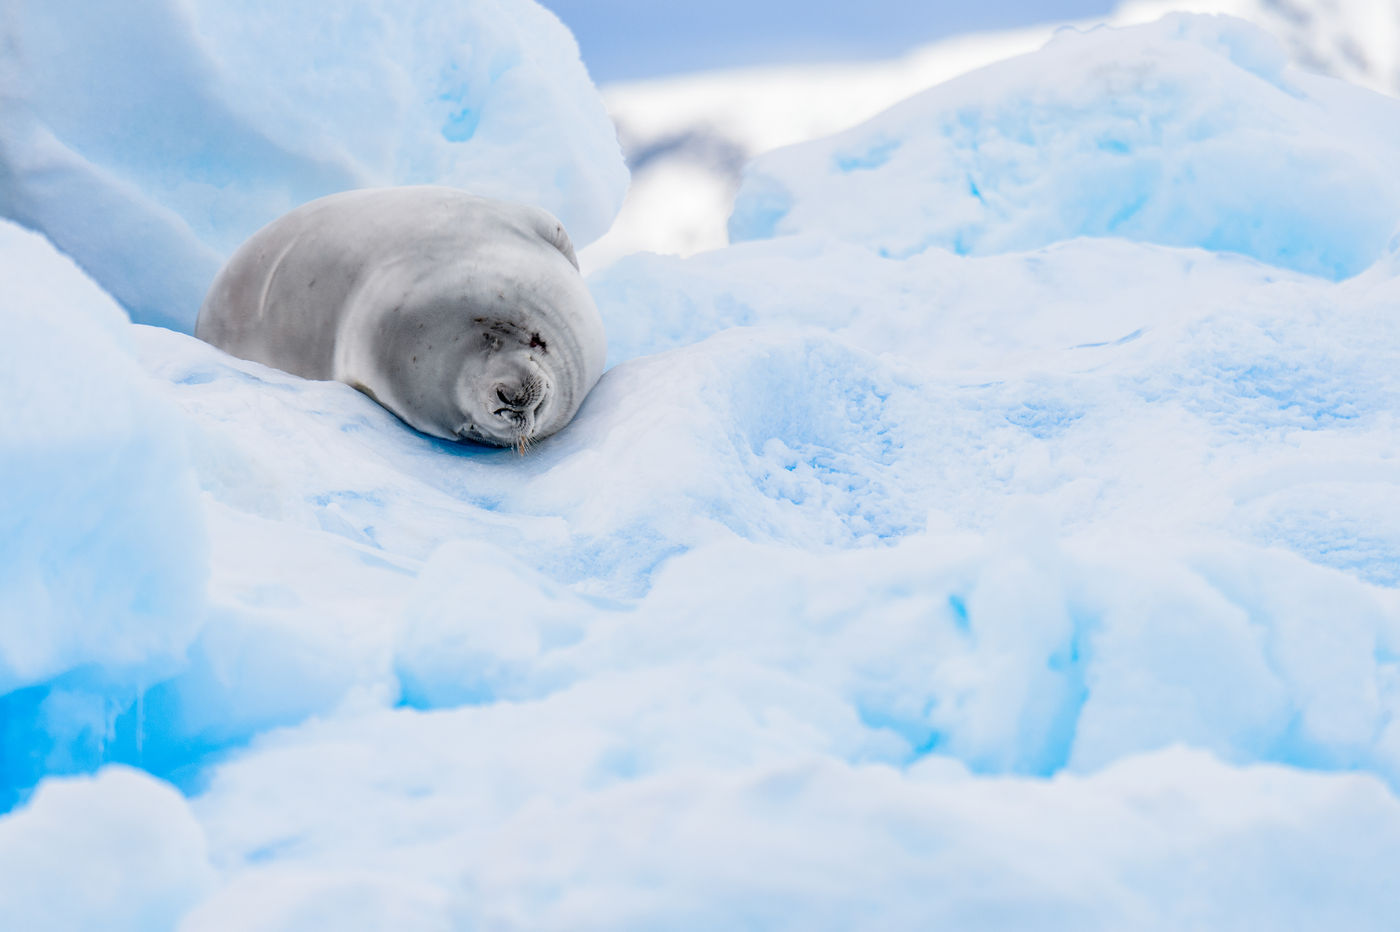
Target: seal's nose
[[520, 408], [518, 398]]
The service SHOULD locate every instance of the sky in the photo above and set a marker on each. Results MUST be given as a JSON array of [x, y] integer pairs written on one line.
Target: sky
[[630, 39]]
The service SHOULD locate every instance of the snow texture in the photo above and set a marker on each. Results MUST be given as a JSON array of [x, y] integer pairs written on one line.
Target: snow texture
[[102, 549], [148, 139], [1357, 40], [1190, 132], [688, 138], [1042, 587], [119, 851]]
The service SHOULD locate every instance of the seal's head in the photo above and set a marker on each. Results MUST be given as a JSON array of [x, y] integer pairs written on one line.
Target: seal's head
[[506, 401]]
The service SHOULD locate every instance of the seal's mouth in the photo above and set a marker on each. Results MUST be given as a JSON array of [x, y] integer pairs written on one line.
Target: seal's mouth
[[518, 437], [508, 402]]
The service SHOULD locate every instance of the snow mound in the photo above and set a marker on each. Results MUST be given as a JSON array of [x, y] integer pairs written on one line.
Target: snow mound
[[812, 400], [554, 833], [1355, 40], [102, 548], [184, 127], [118, 851], [1013, 653], [935, 311], [688, 137], [288, 899], [1189, 132]]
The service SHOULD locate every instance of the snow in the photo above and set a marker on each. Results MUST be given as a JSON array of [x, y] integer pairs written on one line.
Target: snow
[[187, 126], [688, 137], [1192, 132], [102, 545], [1049, 585], [1356, 40], [1155, 842], [118, 851]]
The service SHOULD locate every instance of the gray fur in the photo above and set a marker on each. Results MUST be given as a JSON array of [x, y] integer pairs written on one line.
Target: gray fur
[[464, 316]]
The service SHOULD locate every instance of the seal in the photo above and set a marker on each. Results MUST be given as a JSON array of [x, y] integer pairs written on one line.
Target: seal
[[465, 316]]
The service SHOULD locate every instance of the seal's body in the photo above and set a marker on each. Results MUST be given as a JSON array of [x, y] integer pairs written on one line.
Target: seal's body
[[464, 316]]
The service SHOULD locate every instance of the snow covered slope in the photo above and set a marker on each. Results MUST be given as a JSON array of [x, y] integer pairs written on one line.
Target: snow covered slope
[[103, 556], [688, 137], [1048, 586], [1197, 136]]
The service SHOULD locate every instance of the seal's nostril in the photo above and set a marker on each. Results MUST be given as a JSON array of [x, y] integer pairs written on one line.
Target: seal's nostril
[[501, 394]]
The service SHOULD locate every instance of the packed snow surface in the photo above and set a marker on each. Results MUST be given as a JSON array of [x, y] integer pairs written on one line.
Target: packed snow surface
[[1192, 133], [103, 553], [1052, 582], [147, 139]]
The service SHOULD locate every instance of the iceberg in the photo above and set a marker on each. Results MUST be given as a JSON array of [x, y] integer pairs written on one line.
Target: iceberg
[[118, 851], [147, 140], [1047, 583], [1192, 131], [103, 553]]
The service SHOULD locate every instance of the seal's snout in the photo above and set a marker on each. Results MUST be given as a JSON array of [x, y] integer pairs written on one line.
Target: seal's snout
[[520, 404], [512, 402], [521, 400]]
